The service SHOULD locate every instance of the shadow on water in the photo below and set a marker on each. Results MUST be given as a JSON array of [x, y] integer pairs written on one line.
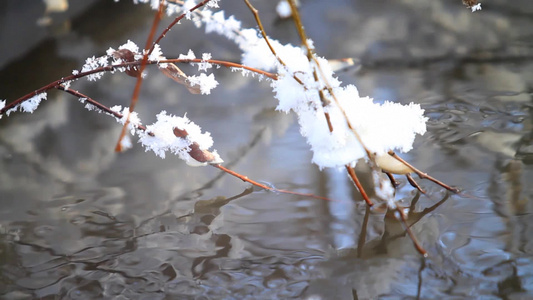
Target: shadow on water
[[80, 221]]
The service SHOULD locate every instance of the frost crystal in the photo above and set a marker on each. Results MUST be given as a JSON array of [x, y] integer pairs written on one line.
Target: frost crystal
[[134, 120], [190, 55], [31, 104], [157, 54], [476, 7], [204, 65], [206, 83], [187, 6], [93, 63], [2, 105], [130, 46]]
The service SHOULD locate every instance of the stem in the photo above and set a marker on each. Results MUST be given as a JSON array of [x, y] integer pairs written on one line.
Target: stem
[[110, 68], [137, 89], [424, 175], [218, 166], [176, 20], [262, 29], [358, 184], [266, 187]]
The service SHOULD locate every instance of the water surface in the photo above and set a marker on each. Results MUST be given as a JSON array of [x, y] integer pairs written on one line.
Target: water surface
[[79, 221]]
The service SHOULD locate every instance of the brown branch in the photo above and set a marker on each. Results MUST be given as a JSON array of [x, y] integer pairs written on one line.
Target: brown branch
[[181, 133], [358, 184], [111, 68], [266, 187], [262, 30], [414, 183], [137, 89], [100, 106], [222, 63], [176, 21], [424, 175]]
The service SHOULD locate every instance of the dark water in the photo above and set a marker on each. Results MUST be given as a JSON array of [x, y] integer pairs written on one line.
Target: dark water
[[78, 221]]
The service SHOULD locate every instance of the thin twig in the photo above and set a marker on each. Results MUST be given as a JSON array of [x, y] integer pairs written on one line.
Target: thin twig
[[424, 175], [266, 187], [176, 21], [218, 166], [262, 30], [351, 173], [401, 217], [100, 106], [137, 89], [414, 183], [112, 68]]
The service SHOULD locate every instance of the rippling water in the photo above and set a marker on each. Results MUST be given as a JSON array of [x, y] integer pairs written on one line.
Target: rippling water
[[78, 221]]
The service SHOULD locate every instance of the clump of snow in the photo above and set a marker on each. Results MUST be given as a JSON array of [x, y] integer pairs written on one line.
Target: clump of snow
[[204, 65], [190, 55], [476, 7], [187, 6], [164, 138], [206, 83], [134, 120], [217, 23], [380, 127], [283, 9], [157, 55]]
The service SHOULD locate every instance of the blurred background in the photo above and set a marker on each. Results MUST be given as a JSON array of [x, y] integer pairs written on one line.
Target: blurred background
[[78, 220]]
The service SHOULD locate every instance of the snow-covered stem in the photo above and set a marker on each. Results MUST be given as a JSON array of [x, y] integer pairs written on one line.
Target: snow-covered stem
[[138, 84], [116, 67], [143, 128], [223, 63], [100, 106], [262, 30]]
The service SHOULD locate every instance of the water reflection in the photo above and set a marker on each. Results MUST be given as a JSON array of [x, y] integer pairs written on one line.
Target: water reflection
[[79, 221]]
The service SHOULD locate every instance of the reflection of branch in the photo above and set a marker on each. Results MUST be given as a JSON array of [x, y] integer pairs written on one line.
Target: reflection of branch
[[417, 216], [362, 236]]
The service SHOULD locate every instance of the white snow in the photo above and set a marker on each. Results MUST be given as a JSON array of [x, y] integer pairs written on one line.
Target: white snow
[[190, 55], [476, 7], [31, 104], [2, 105], [206, 83], [283, 9], [204, 65], [164, 138], [381, 127]]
